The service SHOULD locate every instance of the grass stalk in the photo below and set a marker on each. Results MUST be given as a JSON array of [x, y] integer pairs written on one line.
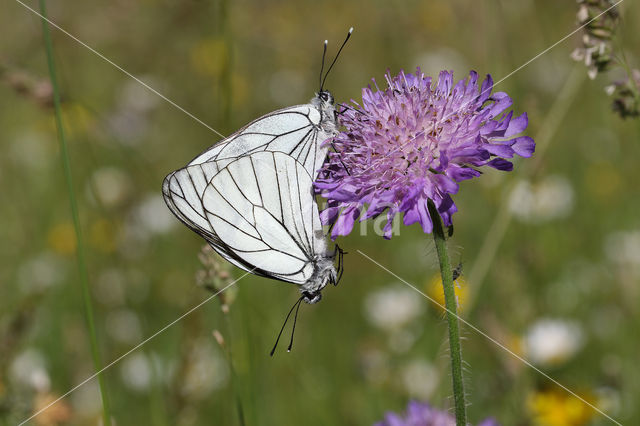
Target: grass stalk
[[82, 266]]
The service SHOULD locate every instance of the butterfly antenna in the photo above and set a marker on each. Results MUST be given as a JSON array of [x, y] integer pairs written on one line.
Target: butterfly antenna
[[285, 323], [295, 320], [324, 53], [336, 58]]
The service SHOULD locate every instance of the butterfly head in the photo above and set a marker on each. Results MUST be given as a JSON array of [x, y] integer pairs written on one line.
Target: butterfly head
[[311, 297], [324, 103], [325, 97]]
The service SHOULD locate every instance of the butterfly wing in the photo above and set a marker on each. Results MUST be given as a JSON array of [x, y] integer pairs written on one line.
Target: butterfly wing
[[258, 211], [183, 191], [295, 131]]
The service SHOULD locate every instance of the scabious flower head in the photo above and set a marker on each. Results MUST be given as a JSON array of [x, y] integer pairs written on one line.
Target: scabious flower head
[[414, 142], [420, 414]]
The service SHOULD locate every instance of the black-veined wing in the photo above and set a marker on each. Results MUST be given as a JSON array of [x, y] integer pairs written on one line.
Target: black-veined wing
[[298, 131], [262, 209], [259, 212]]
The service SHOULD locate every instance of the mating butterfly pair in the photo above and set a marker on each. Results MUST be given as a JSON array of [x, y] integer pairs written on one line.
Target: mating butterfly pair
[[251, 195]]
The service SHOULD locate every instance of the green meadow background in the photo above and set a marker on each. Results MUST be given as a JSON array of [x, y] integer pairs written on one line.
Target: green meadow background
[[550, 252]]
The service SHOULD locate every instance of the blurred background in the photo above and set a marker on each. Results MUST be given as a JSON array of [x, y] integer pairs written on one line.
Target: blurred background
[[561, 290]]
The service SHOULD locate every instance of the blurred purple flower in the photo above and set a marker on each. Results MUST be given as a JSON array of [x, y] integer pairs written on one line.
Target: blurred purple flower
[[420, 414], [411, 143]]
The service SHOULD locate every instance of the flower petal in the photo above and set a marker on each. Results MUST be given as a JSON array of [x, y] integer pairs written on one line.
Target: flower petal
[[517, 125], [501, 164], [524, 146]]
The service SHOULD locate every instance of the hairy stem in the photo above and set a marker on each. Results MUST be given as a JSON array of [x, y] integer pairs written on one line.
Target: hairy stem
[[452, 318], [82, 266]]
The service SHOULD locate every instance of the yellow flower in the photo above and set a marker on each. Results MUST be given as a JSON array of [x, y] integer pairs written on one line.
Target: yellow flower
[[62, 238], [559, 408], [102, 236], [77, 120], [436, 292]]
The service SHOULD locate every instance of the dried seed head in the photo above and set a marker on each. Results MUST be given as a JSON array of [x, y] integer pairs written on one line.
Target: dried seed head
[[215, 276]]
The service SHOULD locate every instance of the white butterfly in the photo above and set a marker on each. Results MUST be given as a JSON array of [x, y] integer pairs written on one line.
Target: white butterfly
[[259, 212], [230, 196], [298, 131]]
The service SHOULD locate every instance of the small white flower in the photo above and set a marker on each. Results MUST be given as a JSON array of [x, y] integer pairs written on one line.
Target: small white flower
[[124, 326], [420, 379], [86, 400], [552, 341], [29, 369], [149, 218], [136, 97], [623, 247], [551, 198], [32, 150], [392, 307], [136, 372], [153, 216], [110, 186], [41, 272]]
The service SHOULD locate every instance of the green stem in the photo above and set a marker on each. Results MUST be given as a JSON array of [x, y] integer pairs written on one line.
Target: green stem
[[84, 276], [452, 318], [234, 376]]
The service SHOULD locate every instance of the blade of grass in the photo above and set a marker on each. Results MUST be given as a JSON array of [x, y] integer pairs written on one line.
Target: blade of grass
[[82, 266]]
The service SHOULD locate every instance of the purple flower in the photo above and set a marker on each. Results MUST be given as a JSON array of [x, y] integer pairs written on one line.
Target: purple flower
[[411, 143], [419, 414]]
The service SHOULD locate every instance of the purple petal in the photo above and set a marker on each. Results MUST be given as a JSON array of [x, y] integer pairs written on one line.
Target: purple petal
[[524, 146], [500, 164], [445, 81], [502, 102], [490, 421], [458, 173], [344, 224], [517, 125], [485, 89], [446, 184], [500, 150]]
